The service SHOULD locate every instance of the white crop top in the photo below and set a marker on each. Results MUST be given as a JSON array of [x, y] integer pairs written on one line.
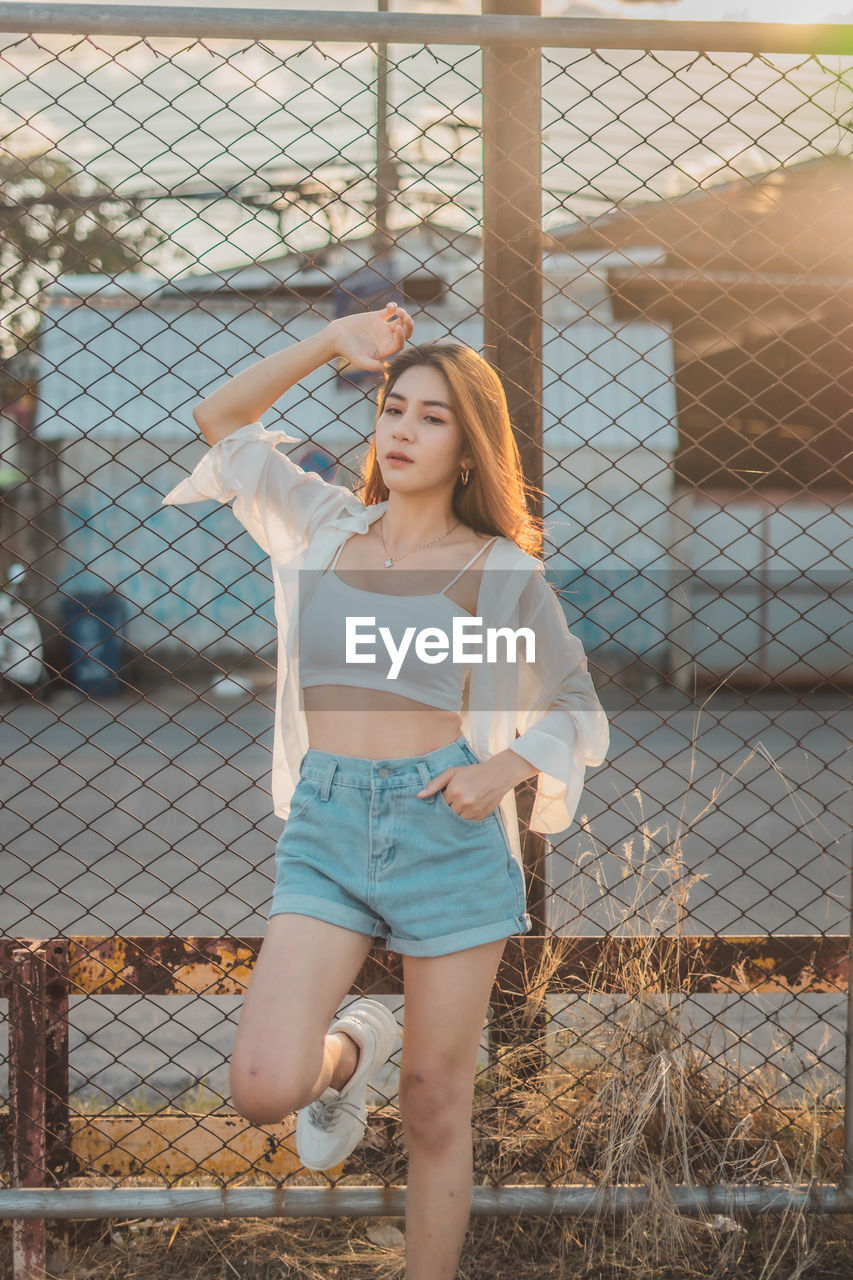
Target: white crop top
[[420, 667]]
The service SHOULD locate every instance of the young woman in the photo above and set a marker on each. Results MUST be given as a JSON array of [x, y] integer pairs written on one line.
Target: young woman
[[396, 773]]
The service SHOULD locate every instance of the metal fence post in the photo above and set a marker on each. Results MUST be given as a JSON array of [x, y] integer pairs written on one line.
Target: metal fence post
[[386, 168], [27, 1076], [59, 1158], [512, 341], [512, 233]]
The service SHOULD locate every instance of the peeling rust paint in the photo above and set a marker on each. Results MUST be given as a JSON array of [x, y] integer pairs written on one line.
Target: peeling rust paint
[[226, 1146], [27, 1066], [785, 963], [162, 965], [792, 963], [182, 1145]]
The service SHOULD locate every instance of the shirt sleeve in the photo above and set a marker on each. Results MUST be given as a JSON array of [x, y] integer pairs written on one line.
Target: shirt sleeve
[[562, 726], [279, 504]]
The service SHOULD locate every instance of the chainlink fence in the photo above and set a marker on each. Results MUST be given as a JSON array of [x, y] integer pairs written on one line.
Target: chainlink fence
[[177, 205]]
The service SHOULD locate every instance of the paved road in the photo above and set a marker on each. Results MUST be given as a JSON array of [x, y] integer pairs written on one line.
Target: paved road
[[154, 815]]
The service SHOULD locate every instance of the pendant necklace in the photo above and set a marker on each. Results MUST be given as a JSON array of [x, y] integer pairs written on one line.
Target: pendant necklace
[[389, 560]]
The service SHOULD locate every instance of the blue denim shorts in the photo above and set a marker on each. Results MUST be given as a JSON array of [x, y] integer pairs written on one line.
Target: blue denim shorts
[[361, 849]]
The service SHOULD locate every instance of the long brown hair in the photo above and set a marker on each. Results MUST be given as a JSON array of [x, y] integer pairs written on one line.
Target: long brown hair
[[494, 500]]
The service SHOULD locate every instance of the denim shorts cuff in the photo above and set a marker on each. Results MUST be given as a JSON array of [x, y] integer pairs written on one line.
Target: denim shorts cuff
[[450, 942], [322, 909]]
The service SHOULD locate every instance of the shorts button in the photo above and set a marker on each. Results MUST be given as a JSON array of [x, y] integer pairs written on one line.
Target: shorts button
[[383, 773]]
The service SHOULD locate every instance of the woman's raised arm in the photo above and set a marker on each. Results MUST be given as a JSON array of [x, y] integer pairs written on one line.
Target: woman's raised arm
[[366, 340], [279, 504]]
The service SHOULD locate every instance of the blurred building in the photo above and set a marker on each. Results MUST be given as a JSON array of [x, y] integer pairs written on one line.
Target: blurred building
[[753, 280], [696, 405]]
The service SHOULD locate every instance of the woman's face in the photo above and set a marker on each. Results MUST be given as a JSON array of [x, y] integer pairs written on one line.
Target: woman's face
[[417, 421]]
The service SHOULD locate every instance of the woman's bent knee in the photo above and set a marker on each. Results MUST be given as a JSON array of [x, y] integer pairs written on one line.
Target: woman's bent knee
[[267, 1107], [263, 1097]]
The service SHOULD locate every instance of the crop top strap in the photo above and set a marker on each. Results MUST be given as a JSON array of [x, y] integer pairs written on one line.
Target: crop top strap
[[468, 565], [337, 554], [449, 585]]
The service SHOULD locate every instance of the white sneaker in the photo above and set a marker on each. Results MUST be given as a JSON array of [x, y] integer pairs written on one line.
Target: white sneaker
[[332, 1126]]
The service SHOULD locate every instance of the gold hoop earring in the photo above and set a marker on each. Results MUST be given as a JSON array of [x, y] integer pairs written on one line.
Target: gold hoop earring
[[464, 476]]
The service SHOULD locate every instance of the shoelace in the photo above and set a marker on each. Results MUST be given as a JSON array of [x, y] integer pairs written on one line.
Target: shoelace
[[324, 1114]]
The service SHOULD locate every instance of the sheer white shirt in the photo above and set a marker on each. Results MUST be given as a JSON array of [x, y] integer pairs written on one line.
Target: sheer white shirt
[[299, 519]]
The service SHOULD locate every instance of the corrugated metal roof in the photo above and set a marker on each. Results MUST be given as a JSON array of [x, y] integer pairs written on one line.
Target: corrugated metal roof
[[795, 217]]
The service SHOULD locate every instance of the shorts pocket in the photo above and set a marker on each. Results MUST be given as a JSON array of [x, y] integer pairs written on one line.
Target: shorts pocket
[[466, 822], [305, 792]]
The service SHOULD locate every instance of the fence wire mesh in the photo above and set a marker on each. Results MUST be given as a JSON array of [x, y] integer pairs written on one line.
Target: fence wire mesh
[[175, 209]]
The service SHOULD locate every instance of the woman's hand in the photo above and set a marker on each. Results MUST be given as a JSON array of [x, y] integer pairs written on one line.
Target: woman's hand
[[474, 790], [368, 339], [471, 790]]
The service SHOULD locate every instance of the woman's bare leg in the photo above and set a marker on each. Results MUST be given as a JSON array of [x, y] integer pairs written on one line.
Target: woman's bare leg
[[283, 1057], [447, 998]]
